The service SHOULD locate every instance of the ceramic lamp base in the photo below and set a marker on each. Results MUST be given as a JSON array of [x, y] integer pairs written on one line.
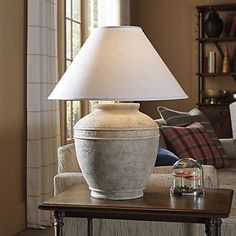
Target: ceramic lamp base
[[116, 147], [116, 195]]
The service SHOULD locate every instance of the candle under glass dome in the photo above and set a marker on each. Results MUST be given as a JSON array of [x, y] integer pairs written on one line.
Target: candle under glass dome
[[188, 178]]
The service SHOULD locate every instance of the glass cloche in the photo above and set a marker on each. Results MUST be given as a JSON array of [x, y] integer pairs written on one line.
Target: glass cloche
[[188, 178]]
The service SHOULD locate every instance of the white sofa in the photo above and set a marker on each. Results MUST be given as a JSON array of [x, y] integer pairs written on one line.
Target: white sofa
[[69, 175]]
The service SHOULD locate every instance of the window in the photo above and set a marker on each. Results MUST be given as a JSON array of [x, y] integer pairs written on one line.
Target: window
[[73, 23], [93, 14], [76, 24], [77, 18]]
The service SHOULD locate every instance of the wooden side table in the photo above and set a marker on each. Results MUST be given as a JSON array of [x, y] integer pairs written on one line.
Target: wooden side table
[[153, 206]]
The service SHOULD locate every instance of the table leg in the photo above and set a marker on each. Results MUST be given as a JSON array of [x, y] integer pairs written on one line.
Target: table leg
[[58, 215], [213, 226], [90, 226]]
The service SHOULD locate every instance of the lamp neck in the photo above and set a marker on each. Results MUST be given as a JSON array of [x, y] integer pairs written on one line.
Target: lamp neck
[[118, 106]]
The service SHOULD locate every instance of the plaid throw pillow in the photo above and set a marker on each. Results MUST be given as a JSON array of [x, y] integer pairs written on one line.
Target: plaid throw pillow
[[177, 118], [194, 142]]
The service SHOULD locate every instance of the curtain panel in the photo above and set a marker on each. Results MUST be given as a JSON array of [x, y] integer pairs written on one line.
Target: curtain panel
[[43, 126], [43, 135]]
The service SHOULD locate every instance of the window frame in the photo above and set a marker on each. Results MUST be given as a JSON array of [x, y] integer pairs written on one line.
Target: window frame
[[86, 19], [62, 62]]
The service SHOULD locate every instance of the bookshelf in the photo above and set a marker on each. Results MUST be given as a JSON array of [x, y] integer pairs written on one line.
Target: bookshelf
[[216, 108]]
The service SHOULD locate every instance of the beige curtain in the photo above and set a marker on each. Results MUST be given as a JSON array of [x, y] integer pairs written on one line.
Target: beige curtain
[[42, 115]]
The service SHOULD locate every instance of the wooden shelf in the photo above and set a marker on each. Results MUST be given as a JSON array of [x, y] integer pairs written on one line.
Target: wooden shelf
[[215, 104], [208, 8], [216, 74], [215, 40]]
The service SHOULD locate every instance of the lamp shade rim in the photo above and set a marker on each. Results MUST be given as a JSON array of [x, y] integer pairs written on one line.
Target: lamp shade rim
[[119, 27], [51, 97]]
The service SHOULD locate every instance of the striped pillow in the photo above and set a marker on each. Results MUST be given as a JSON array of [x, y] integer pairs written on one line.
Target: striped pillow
[[177, 118], [193, 142]]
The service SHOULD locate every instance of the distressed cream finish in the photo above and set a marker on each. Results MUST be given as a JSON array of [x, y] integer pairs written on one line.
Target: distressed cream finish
[[116, 147]]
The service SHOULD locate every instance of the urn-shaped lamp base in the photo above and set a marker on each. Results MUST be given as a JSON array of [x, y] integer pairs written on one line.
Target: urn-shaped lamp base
[[116, 147]]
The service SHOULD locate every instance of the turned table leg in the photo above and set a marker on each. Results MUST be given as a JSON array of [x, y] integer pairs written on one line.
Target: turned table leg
[[90, 226], [213, 226], [58, 215]]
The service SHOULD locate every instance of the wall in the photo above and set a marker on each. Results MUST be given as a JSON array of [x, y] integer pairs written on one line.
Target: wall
[[12, 119], [171, 27]]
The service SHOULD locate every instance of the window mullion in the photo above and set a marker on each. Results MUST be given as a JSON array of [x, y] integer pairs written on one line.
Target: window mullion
[[71, 39], [78, 22], [75, 17]]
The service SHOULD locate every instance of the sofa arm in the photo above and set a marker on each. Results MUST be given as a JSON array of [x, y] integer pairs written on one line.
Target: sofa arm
[[162, 169], [67, 160], [159, 180], [166, 180], [64, 181], [229, 145], [209, 171]]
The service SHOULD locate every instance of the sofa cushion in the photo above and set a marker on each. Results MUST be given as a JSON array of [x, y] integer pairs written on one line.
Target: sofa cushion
[[177, 118], [165, 158], [194, 142], [228, 176]]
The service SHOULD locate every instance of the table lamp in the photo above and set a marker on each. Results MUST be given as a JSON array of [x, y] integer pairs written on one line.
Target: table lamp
[[116, 145]]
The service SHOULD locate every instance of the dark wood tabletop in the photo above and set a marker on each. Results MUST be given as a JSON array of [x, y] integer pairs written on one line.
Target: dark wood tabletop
[[216, 203]]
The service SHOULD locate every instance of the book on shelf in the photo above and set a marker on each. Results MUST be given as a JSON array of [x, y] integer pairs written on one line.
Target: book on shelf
[[212, 62], [233, 28], [205, 64]]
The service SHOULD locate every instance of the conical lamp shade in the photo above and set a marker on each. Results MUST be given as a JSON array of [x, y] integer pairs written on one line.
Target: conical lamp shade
[[118, 63]]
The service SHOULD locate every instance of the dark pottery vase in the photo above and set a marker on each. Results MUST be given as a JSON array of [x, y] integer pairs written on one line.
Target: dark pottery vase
[[213, 25]]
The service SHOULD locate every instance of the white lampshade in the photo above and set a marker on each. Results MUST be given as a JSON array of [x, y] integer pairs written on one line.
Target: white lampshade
[[118, 63]]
